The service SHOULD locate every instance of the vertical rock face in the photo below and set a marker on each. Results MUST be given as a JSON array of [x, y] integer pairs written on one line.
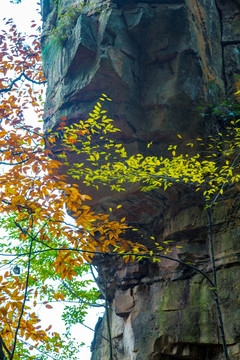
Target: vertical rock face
[[158, 60]]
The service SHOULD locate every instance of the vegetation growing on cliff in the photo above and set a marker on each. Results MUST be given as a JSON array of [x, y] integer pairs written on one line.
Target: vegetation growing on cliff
[[210, 168], [207, 170], [66, 20]]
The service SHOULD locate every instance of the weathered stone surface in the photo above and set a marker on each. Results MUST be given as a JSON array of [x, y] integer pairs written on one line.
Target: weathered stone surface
[[151, 75], [158, 60], [230, 15], [124, 302], [178, 318]]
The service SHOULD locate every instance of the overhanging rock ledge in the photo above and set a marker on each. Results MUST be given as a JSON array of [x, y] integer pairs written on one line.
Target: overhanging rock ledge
[[158, 60]]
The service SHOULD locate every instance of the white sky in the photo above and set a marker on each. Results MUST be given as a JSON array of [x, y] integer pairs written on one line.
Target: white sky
[[23, 14]]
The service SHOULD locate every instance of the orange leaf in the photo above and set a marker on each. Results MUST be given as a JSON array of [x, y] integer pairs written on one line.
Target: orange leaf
[[49, 306]]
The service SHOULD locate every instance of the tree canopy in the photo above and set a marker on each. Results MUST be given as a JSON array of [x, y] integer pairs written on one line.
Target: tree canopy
[[43, 253]]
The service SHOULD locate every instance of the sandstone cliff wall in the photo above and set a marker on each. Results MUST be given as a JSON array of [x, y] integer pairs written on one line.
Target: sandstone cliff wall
[[158, 60]]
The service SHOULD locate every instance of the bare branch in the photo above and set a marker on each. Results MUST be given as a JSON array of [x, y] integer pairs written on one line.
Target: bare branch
[[77, 297], [24, 300], [18, 79]]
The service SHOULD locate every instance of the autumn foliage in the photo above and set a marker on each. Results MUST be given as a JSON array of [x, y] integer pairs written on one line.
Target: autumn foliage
[[34, 200]]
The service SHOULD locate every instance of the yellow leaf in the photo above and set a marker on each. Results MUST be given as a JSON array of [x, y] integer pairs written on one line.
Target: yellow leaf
[[86, 197]]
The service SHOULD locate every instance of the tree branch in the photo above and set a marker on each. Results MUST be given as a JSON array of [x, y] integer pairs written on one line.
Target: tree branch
[[2, 344], [24, 300], [77, 297], [147, 255], [19, 78]]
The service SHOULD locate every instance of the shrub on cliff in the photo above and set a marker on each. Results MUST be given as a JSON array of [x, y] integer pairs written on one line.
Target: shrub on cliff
[[209, 169]]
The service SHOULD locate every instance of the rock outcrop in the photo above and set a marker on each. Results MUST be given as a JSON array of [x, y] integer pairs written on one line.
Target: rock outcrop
[[158, 60]]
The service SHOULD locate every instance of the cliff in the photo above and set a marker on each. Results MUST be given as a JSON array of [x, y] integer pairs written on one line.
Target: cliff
[[158, 60]]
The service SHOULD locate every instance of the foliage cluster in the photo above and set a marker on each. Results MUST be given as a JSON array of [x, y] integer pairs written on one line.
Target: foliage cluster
[[211, 167], [33, 202]]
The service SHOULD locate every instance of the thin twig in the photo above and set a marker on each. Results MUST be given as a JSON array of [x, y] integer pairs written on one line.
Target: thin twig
[[78, 297], [223, 185], [24, 300], [216, 296], [42, 352], [93, 330], [108, 325], [2, 343], [97, 282]]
